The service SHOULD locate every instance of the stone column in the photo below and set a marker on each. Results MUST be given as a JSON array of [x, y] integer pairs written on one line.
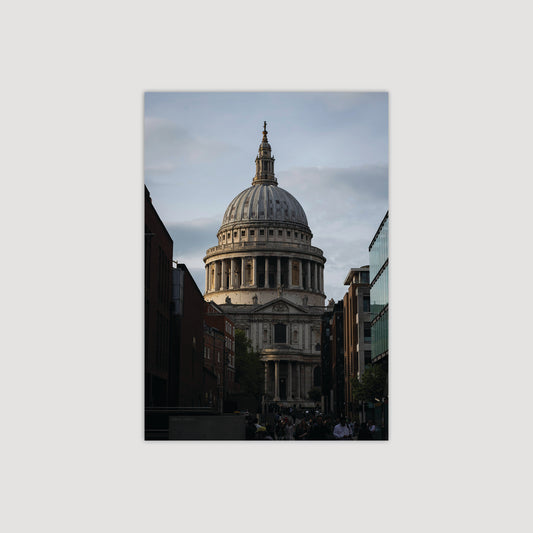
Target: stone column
[[316, 278], [321, 271], [289, 382], [298, 388], [300, 279], [266, 273], [206, 278], [308, 275], [278, 273], [266, 377], [254, 269], [231, 273], [223, 274], [242, 271], [304, 390], [217, 278], [276, 381]]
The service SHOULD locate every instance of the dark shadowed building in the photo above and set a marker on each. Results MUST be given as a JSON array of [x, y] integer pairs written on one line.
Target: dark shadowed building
[[219, 353], [187, 340], [157, 295], [357, 333], [333, 359]]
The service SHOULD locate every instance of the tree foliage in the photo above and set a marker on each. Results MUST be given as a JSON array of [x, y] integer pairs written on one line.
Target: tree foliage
[[372, 385], [249, 370], [315, 394]]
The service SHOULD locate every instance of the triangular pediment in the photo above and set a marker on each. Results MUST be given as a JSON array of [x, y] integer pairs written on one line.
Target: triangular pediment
[[280, 305]]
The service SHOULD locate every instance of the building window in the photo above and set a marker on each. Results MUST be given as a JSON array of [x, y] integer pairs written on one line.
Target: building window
[[368, 357], [288, 234], [243, 233], [271, 232], [367, 332], [302, 236], [280, 232], [280, 333], [366, 304], [235, 234], [261, 232], [295, 336], [296, 234], [252, 232]]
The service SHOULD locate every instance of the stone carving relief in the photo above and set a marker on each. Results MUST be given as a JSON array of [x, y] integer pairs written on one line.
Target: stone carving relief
[[280, 308]]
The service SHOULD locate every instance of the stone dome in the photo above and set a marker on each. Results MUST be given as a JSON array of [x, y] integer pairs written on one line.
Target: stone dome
[[264, 249], [264, 203]]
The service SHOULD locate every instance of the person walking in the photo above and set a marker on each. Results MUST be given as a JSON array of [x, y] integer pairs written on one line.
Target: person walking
[[342, 430], [250, 429], [301, 431], [319, 430], [289, 430]]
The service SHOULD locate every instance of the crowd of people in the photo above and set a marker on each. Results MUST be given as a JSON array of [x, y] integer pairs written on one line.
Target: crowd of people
[[309, 427]]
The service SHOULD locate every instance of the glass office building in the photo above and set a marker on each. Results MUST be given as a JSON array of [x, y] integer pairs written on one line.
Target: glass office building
[[379, 290]]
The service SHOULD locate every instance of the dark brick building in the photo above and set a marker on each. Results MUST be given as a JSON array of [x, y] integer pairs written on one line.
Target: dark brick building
[[157, 295], [187, 341], [219, 352], [333, 359]]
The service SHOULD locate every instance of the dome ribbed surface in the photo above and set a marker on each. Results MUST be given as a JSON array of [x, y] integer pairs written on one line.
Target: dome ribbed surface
[[264, 203]]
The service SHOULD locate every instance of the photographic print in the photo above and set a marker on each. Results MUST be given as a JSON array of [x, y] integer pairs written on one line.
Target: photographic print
[[266, 265]]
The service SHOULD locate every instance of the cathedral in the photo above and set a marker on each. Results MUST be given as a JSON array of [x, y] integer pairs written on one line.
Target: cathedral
[[269, 280]]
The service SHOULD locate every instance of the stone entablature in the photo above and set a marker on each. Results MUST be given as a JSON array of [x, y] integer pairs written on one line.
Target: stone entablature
[[265, 247]]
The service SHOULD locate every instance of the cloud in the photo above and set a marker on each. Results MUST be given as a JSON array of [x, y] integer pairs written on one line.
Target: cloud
[[192, 238], [168, 146], [361, 183], [344, 208]]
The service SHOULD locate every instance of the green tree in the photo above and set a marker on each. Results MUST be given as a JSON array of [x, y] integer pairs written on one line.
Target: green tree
[[372, 385], [315, 394], [249, 370]]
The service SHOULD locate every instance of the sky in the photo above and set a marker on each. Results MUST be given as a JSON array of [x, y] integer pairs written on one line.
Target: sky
[[331, 153]]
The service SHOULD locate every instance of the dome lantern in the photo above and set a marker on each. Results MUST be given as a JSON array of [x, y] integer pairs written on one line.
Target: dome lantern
[[264, 163]]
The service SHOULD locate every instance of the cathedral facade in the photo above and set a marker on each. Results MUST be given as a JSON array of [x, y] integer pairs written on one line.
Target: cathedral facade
[[267, 277]]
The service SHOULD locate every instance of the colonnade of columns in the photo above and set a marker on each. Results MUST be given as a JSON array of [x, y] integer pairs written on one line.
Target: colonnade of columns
[[299, 379], [241, 272]]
